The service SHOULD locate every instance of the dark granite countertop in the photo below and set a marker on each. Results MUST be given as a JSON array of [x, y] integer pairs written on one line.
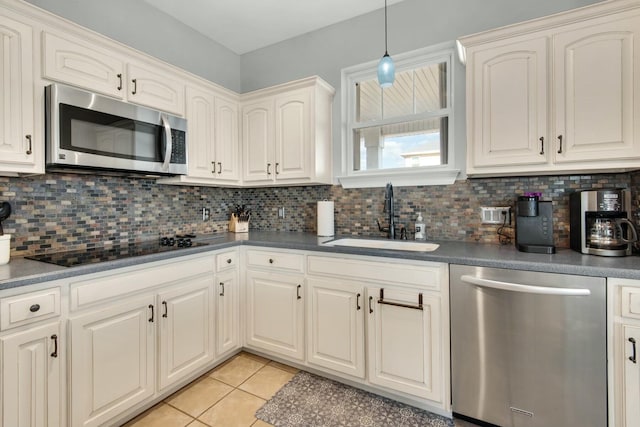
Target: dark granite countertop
[[21, 272]]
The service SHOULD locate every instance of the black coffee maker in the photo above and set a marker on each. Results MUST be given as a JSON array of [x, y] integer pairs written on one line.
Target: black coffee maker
[[534, 225]]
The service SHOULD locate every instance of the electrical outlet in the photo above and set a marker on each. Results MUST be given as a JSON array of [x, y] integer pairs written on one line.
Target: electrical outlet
[[281, 213], [495, 214], [206, 214]]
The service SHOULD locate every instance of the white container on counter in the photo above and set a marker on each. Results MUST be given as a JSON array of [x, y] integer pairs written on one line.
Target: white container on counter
[[5, 248]]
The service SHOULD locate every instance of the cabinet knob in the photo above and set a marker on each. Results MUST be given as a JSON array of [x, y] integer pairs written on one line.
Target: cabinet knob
[[34, 308], [229, 261], [270, 260]]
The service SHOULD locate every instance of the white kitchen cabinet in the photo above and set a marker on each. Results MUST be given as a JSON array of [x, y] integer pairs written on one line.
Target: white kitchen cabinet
[[335, 322], [91, 66], [286, 134], [227, 313], [227, 140], [404, 339], [275, 313], [112, 359], [200, 122], [32, 391], [21, 149], [555, 95], [624, 315], [186, 323]]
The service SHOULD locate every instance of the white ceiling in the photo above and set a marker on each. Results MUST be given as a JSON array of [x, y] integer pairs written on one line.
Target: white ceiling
[[246, 25]]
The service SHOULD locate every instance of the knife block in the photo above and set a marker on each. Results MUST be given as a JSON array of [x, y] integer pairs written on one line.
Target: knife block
[[236, 226]]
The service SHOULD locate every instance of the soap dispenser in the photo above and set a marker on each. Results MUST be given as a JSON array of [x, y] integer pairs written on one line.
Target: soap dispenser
[[421, 233]]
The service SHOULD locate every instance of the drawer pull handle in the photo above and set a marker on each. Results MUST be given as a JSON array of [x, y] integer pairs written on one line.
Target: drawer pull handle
[[55, 345], [270, 260], [560, 144], [30, 149], [358, 302], [166, 310], [633, 346], [370, 307], [268, 169], [119, 81], [542, 145], [222, 286], [151, 318], [219, 168], [228, 260], [400, 304], [34, 308], [277, 171], [135, 86], [298, 292], [213, 167]]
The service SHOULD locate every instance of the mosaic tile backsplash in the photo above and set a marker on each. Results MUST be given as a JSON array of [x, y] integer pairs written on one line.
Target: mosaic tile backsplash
[[55, 212]]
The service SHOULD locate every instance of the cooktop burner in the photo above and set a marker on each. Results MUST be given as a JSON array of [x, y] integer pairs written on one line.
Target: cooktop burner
[[116, 252]]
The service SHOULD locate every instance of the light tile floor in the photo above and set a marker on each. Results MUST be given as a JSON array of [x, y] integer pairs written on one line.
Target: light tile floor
[[227, 396]]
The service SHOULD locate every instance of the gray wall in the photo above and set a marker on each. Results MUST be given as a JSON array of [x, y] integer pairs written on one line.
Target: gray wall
[[136, 24]]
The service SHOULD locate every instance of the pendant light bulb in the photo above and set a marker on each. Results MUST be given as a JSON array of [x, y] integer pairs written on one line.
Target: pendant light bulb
[[386, 67]]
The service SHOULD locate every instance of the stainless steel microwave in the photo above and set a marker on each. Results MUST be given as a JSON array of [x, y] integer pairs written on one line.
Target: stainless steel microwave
[[86, 132]]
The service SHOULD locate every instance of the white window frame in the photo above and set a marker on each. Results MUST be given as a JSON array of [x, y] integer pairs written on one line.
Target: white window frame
[[427, 175]]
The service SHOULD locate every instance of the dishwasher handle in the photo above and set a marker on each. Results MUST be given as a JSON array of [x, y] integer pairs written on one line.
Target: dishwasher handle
[[515, 287]]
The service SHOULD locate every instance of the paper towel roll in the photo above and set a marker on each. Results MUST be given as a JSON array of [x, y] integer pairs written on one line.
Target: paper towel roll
[[325, 218]]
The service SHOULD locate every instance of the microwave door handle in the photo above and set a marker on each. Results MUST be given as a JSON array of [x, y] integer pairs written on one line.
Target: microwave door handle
[[168, 143], [516, 287]]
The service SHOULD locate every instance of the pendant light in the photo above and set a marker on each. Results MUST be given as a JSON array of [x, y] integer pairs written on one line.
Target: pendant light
[[386, 68]]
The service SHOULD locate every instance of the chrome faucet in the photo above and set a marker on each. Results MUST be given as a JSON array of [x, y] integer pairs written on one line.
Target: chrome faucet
[[389, 209]]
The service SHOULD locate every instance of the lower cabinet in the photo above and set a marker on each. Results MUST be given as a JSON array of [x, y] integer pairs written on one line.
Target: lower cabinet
[[227, 324], [114, 352], [625, 382], [275, 313], [31, 384], [404, 341], [335, 325], [383, 322]]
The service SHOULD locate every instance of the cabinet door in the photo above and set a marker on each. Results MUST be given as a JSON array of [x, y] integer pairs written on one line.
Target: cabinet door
[[404, 343], [31, 386], [185, 318], [227, 147], [112, 360], [292, 143], [257, 142], [155, 89], [275, 313], [335, 313], [200, 121], [597, 88], [78, 63], [508, 105], [631, 391], [17, 153], [227, 313]]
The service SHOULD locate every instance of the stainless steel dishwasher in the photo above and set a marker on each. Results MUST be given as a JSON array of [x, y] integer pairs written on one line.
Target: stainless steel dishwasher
[[528, 349]]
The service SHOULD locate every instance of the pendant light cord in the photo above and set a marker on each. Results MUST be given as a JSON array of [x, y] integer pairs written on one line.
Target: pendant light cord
[[386, 50]]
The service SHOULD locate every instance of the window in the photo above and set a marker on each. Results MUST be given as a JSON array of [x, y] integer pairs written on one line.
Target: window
[[402, 132]]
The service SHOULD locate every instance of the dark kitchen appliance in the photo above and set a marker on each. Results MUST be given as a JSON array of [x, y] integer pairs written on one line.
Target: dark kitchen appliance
[[534, 225], [116, 252], [600, 222], [528, 349], [93, 133]]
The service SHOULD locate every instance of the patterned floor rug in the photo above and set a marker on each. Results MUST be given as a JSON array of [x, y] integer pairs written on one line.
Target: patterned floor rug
[[312, 401]]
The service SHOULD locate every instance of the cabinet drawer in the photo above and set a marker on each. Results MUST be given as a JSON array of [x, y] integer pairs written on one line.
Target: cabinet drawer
[[631, 302], [383, 271], [276, 260], [24, 309], [226, 260]]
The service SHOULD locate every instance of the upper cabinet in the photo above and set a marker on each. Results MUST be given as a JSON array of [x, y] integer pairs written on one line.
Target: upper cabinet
[[89, 66], [286, 134], [18, 137], [555, 95]]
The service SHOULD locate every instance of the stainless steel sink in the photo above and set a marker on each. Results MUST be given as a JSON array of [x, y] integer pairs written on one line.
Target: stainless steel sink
[[394, 245]]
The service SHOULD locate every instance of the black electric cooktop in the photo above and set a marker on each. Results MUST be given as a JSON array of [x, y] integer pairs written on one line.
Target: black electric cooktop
[[116, 252]]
